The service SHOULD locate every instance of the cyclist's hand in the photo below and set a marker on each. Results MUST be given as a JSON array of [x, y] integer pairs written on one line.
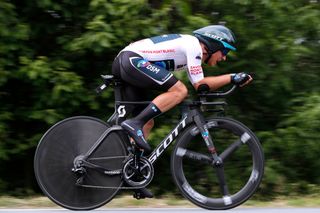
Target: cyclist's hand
[[241, 79]]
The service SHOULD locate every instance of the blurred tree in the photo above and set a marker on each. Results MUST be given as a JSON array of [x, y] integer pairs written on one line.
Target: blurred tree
[[292, 148], [52, 52], [276, 41]]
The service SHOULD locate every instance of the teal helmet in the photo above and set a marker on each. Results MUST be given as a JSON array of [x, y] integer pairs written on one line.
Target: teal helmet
[[216, 37]]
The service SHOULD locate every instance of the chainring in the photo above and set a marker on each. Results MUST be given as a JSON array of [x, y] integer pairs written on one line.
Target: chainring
[[138, 174]]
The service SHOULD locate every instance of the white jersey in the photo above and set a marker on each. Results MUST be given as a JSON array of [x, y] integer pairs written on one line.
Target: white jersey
[[174, 52]]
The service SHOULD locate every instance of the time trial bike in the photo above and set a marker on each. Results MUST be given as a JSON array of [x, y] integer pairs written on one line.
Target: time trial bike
[[217, 163]]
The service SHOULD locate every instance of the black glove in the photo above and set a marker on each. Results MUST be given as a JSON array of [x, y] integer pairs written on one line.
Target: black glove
[[239, 78]]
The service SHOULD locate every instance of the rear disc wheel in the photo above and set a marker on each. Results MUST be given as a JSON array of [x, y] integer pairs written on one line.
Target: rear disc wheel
[[54, 162]]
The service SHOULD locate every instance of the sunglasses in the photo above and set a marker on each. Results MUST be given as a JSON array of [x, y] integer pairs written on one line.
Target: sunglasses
[[225, 51]]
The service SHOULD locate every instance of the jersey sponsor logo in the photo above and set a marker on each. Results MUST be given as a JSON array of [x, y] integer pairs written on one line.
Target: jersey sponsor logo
[[146, 64], [195, 70], [164, 51], [143, 63], [153, 68], [156, 73]]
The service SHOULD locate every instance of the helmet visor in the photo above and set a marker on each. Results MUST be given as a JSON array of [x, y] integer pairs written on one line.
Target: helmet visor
[[226, 45]]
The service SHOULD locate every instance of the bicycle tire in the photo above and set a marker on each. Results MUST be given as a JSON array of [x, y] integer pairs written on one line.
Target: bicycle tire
[[243, 169], [54, 158]]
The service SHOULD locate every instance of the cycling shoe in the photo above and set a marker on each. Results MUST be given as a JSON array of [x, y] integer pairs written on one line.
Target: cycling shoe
[[135, 131]]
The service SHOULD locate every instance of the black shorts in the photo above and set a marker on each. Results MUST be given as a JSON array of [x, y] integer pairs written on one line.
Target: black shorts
[[140, 76], [135, 70]]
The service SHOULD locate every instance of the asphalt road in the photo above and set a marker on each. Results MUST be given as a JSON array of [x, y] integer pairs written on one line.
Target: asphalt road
[[170, 210]]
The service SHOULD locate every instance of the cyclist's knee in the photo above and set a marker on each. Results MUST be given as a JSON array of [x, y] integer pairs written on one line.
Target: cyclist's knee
[[180, 91]]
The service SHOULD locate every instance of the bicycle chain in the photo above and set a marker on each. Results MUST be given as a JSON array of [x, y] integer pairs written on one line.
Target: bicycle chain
[[111, 187], [113, 173]]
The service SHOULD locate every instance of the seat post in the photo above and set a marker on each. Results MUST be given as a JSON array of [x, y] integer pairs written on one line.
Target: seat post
[[118, 90], [115, 119]]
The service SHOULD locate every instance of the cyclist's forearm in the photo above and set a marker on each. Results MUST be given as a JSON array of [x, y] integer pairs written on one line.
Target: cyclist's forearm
[[214, 82]]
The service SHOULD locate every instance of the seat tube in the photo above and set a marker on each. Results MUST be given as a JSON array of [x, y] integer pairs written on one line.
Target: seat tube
[[117, 90], [115, 118]]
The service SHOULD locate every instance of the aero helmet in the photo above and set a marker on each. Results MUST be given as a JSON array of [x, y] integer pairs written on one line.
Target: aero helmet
[[216, 37]]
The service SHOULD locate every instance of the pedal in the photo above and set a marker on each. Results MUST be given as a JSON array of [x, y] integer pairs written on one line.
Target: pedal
[[138, 196], [142, 194]]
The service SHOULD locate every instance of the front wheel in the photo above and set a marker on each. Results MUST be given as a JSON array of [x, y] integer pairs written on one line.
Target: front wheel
[[212, 186]]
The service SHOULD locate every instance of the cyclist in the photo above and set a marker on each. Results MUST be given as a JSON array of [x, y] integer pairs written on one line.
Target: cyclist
[[147, 64]]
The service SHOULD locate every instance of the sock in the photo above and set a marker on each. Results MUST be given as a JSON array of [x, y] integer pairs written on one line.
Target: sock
[[151, 111], [134, 126]]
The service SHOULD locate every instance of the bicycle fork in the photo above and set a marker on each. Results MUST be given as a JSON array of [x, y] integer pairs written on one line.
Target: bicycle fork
[[217, 161]]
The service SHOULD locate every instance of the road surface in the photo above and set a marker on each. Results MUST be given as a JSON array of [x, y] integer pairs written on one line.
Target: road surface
[[169, 210]]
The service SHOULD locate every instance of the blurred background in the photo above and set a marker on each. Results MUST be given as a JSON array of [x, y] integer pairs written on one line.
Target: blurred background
[[52, 54]]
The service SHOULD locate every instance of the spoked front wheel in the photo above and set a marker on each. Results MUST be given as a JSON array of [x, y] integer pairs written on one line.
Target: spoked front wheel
[[54, 161], [214, 186]]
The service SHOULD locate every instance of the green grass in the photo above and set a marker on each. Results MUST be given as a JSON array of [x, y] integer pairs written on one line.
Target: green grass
[[163, 202], [29, 202]]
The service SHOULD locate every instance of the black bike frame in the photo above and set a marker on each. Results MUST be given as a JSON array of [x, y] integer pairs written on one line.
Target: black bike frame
[[192, 116], [189, 116]]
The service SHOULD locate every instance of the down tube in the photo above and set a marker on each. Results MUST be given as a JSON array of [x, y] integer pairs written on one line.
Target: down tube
[[168, 140]]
